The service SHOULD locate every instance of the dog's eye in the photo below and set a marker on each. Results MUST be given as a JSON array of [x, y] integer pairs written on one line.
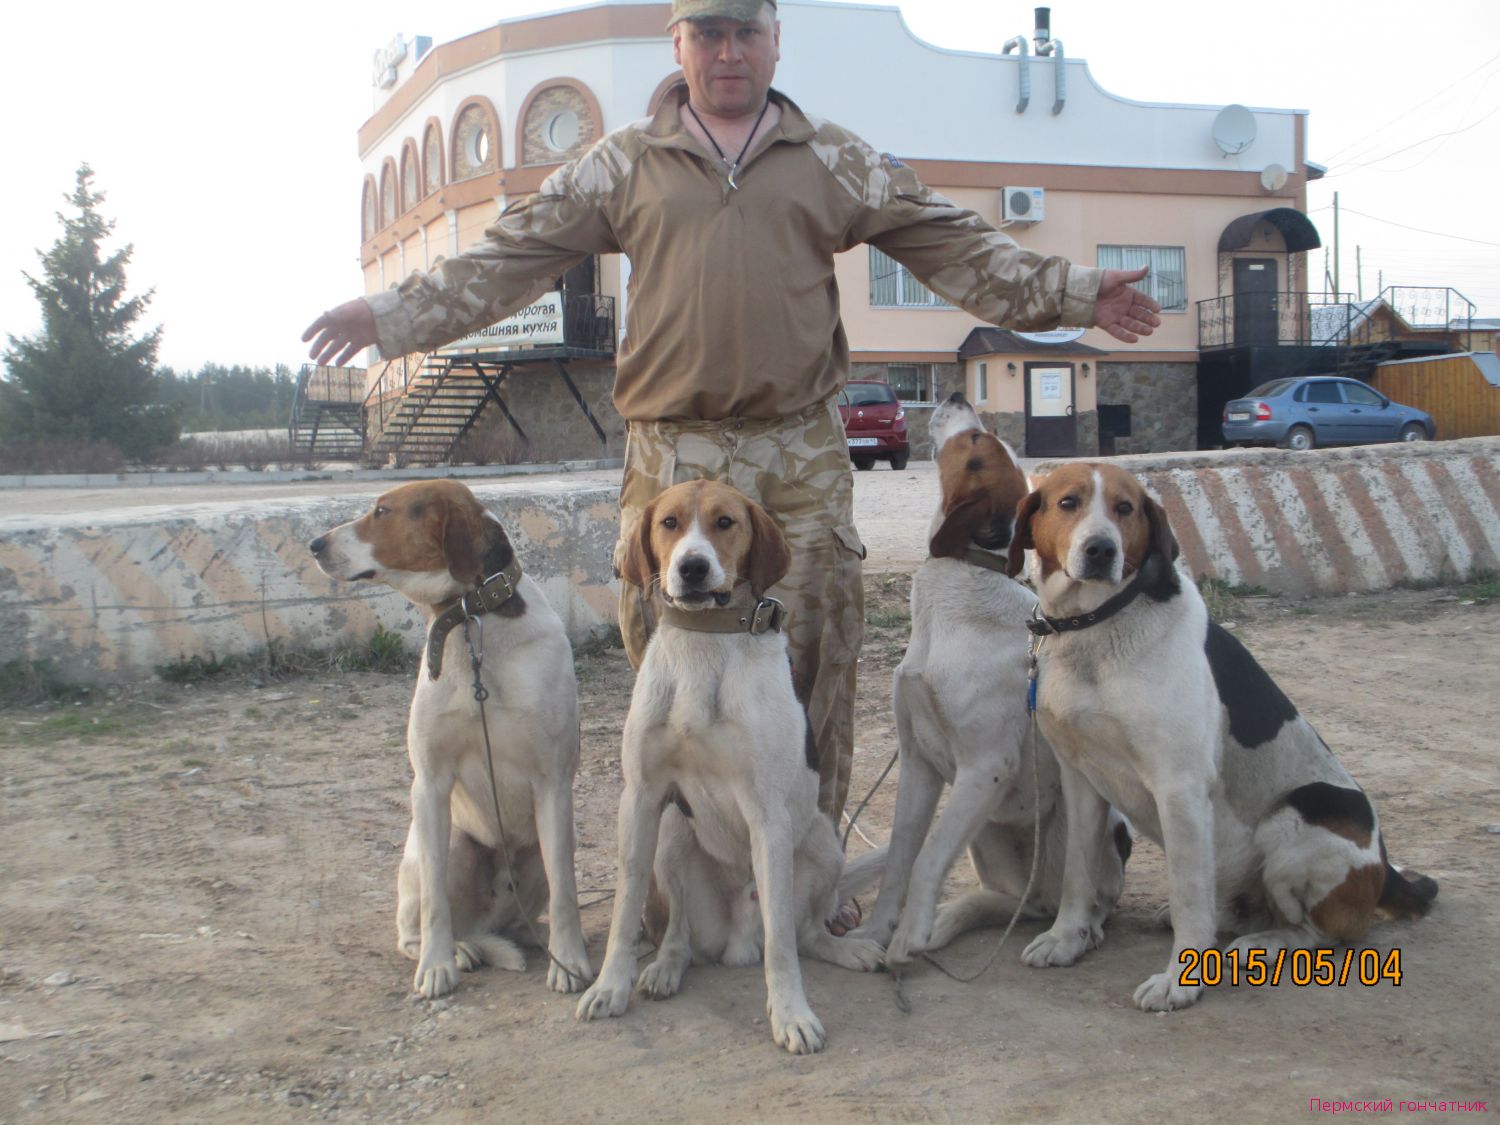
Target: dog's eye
[[670, 522], [1068, 503], [725, 523], [380, 510], [1124, 507]]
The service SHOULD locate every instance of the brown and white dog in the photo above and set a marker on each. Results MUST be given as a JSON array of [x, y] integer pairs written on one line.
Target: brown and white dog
[[1154, 708], [721, 789], [434, 543], [959, 699]]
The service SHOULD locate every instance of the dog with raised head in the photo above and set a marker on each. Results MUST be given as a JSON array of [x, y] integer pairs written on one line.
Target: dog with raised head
[[959, 700], [434, 543], [721, 786], [1157, 710]]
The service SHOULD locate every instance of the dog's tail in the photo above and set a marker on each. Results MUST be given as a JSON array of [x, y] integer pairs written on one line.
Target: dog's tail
[[861, 872], [491, 949], [978, 908], [1407, 894]]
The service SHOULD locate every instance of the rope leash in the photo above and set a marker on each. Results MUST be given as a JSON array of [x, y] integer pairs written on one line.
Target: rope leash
[[481, 693]]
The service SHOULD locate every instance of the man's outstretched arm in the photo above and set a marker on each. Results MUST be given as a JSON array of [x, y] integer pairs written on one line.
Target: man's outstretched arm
[[532, 242], [1125, 313], [343, 332]]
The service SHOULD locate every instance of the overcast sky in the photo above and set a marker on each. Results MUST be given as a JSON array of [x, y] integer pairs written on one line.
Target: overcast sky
[[224, 137]]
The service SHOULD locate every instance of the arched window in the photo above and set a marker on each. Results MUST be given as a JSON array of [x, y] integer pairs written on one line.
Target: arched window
[[388, 210], [369, 210], [475, 141], [559, 120], [411, 176], [432, 159]]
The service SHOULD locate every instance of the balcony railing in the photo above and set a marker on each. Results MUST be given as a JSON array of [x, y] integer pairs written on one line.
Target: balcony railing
[[1320, 320]]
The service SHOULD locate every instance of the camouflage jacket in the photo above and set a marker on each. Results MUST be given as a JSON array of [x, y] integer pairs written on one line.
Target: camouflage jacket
[[733, 310]]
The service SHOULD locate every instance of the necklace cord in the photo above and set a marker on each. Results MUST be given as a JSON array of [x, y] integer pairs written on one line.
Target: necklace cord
[[735, 167]]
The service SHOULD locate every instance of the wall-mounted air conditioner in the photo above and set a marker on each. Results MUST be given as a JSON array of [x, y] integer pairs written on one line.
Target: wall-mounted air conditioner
[[1023, 204]]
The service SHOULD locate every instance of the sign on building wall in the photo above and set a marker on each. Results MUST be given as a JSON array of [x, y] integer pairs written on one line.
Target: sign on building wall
[[538, 323]]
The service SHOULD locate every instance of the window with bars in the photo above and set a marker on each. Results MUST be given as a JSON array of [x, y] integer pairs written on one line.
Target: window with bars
[[1167, 281], [912, 382], [893, 286], [982, 391]]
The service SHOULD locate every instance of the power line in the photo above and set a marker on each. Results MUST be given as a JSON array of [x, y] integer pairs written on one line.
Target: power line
[[1417, 144], [1421, 230], [1413, 109]]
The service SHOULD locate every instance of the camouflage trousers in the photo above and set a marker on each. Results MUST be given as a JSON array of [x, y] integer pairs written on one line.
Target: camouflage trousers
[[797, 468]]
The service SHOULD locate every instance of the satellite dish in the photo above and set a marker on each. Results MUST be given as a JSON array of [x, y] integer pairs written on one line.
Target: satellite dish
[[1234, 130], [1273, 178]]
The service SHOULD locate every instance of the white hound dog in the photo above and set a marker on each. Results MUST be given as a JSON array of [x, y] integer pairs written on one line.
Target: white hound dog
[[434, 543]]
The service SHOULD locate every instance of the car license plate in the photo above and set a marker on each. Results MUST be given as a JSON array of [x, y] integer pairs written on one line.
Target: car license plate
[[862, 442], [1239, 416]]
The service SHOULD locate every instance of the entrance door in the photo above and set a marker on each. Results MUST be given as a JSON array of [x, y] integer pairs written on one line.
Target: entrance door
[[1051, 424], [1255, 289]]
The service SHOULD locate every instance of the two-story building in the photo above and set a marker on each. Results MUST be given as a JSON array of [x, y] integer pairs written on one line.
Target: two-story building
[[1212, 198]]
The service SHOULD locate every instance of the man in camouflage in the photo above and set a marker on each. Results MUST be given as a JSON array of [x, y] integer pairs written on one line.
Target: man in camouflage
[[731, 203]]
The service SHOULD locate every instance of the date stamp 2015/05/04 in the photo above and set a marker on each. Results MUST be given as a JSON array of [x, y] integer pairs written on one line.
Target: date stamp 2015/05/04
[[1317, 968]]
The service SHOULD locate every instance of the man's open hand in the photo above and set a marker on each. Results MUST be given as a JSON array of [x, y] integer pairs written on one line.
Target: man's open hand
[[342, 331], [1125, 313]]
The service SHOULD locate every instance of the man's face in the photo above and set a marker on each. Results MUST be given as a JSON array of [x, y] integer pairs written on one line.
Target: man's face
[[728, 64]]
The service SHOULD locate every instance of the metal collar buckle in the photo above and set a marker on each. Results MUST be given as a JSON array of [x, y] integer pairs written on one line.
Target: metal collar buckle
[[768, 616]]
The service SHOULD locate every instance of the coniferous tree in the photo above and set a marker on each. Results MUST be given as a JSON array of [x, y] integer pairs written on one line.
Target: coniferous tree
[[86, 375]]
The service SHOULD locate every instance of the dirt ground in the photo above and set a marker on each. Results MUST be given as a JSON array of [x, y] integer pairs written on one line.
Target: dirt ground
[[197, 922]]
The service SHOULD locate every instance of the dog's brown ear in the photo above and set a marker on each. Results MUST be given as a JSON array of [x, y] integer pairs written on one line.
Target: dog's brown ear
[[1020, 539], [1163, 542], [770, 557], [639, 566], [460, 540], [952, 537]]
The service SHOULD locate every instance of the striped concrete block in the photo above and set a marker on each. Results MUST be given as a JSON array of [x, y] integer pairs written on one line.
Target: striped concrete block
[[1336, 520], [113, 596]]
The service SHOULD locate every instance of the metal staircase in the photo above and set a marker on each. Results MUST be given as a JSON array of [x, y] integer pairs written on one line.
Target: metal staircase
[[421, 419], [328, 412]]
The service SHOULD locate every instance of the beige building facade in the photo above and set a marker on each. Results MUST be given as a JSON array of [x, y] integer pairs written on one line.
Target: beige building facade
[[1212, 198]]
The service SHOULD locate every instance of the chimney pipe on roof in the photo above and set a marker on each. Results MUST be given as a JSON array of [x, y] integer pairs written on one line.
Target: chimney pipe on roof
[[1046, 45], [1043, 29]]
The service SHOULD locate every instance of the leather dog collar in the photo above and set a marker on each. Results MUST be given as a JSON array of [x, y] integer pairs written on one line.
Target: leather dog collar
[[766, 616], [1043, 626], [987, 560], [491, 594]]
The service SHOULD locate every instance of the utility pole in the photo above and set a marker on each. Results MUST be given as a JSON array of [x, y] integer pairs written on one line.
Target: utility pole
[[1336, 295], [1359, 272]]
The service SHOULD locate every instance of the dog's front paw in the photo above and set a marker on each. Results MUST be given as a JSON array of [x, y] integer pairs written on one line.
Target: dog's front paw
[[1163, 993], [1062, 946], [908, 942], [436, 976], [662, 978], [605, 998], [797, 1029], [859, 954], [568, 972]]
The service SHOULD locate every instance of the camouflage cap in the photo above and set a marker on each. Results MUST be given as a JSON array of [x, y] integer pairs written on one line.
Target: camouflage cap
[[743, 10]]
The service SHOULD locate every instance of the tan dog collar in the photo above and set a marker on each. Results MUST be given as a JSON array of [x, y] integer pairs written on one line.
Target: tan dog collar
[[766, 616], [492, 593]]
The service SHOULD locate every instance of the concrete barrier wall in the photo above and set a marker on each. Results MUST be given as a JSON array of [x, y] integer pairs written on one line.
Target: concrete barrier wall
[[1335, 520], [114, 596]]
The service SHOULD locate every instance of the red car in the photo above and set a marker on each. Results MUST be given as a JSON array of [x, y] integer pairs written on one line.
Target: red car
[[874, 424]]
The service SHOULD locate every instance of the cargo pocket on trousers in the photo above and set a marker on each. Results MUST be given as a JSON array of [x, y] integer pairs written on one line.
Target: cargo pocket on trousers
[[846, 601]]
